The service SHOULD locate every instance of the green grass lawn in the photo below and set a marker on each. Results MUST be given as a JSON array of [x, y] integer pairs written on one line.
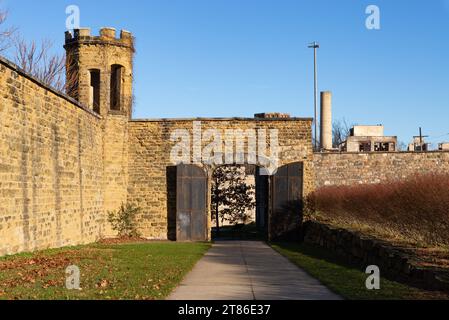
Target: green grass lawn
[[149, 270], [345, 280]]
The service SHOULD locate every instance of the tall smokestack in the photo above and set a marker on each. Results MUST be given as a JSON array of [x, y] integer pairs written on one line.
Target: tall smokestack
[[326, 120]]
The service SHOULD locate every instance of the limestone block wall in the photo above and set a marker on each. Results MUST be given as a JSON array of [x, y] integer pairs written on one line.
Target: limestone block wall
[[374, 167], [115, 150], [150, 166], [51, 167]]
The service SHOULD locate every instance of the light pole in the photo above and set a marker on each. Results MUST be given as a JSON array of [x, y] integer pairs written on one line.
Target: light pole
[[315, 45]]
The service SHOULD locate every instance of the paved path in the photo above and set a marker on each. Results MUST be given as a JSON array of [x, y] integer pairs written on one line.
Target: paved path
[[248, 270]]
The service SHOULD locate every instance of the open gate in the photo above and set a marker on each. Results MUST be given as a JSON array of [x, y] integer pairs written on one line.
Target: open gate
[[286, 202], [261, 201], [191, 203], [279, 200]]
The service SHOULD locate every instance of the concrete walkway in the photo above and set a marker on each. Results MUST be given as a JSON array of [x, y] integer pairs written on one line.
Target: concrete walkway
[[248, 270]]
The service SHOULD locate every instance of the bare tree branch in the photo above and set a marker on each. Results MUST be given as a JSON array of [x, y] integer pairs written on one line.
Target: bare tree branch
[[71, 79], [6, 33], [37, 59], [402, 146], [232, 197], [341, 130], [40, 62]]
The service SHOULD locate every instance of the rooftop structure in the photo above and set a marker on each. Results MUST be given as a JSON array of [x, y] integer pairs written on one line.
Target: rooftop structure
[[369, 139], [444, 146], [419, 145]]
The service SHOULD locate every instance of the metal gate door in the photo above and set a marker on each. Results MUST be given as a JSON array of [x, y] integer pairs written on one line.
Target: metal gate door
[[261, 201], [191, 203], [286, 202]]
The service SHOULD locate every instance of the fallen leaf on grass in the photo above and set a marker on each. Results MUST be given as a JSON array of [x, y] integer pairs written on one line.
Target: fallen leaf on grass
[[102, 284], [50, 283]]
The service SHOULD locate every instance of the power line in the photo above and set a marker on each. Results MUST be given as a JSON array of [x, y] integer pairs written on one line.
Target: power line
[[432, 138]]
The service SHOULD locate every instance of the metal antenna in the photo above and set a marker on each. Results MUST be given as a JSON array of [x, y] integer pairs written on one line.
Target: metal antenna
[[314, 45]]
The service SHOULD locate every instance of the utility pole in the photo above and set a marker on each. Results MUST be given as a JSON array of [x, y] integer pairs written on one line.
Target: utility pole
[[315, 45], [420, 136]]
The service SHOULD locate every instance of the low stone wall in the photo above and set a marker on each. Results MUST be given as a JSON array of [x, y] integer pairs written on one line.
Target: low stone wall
[[333, 169], [395, 263]]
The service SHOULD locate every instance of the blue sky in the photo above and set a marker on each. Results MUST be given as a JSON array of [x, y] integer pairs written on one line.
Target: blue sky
[[225, 58]]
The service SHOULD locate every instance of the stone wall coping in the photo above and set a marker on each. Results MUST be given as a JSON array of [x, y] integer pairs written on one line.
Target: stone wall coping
[[222, 119], [47, 87], [379, 152]]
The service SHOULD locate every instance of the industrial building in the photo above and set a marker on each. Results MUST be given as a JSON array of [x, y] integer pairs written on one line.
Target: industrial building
[[419, 145], [443, 146], [369, 139]]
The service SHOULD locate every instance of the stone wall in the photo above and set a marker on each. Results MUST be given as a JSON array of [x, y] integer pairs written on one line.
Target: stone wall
[[115, 160], [63, 166], [150, 166], [51, 167], [399, 264], [374, 167]]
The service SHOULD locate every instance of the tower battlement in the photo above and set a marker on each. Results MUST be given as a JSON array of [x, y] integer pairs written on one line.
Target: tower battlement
[[107, 36], [100, 68]]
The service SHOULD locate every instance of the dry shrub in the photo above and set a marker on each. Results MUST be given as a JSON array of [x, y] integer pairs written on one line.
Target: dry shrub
[[415, 209]]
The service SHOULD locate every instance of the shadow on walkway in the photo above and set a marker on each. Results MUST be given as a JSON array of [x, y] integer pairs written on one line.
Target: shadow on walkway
[[248, 270]]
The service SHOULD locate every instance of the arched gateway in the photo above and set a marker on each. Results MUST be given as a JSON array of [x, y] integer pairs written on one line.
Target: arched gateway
[[175, 200], [141, 156], [278, 197]]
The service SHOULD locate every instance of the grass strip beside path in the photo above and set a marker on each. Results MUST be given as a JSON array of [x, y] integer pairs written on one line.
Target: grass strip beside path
[[149, 270], [346, 280]]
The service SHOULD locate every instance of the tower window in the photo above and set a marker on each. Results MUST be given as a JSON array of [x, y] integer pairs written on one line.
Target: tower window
[[94, 92], [116, 86]]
